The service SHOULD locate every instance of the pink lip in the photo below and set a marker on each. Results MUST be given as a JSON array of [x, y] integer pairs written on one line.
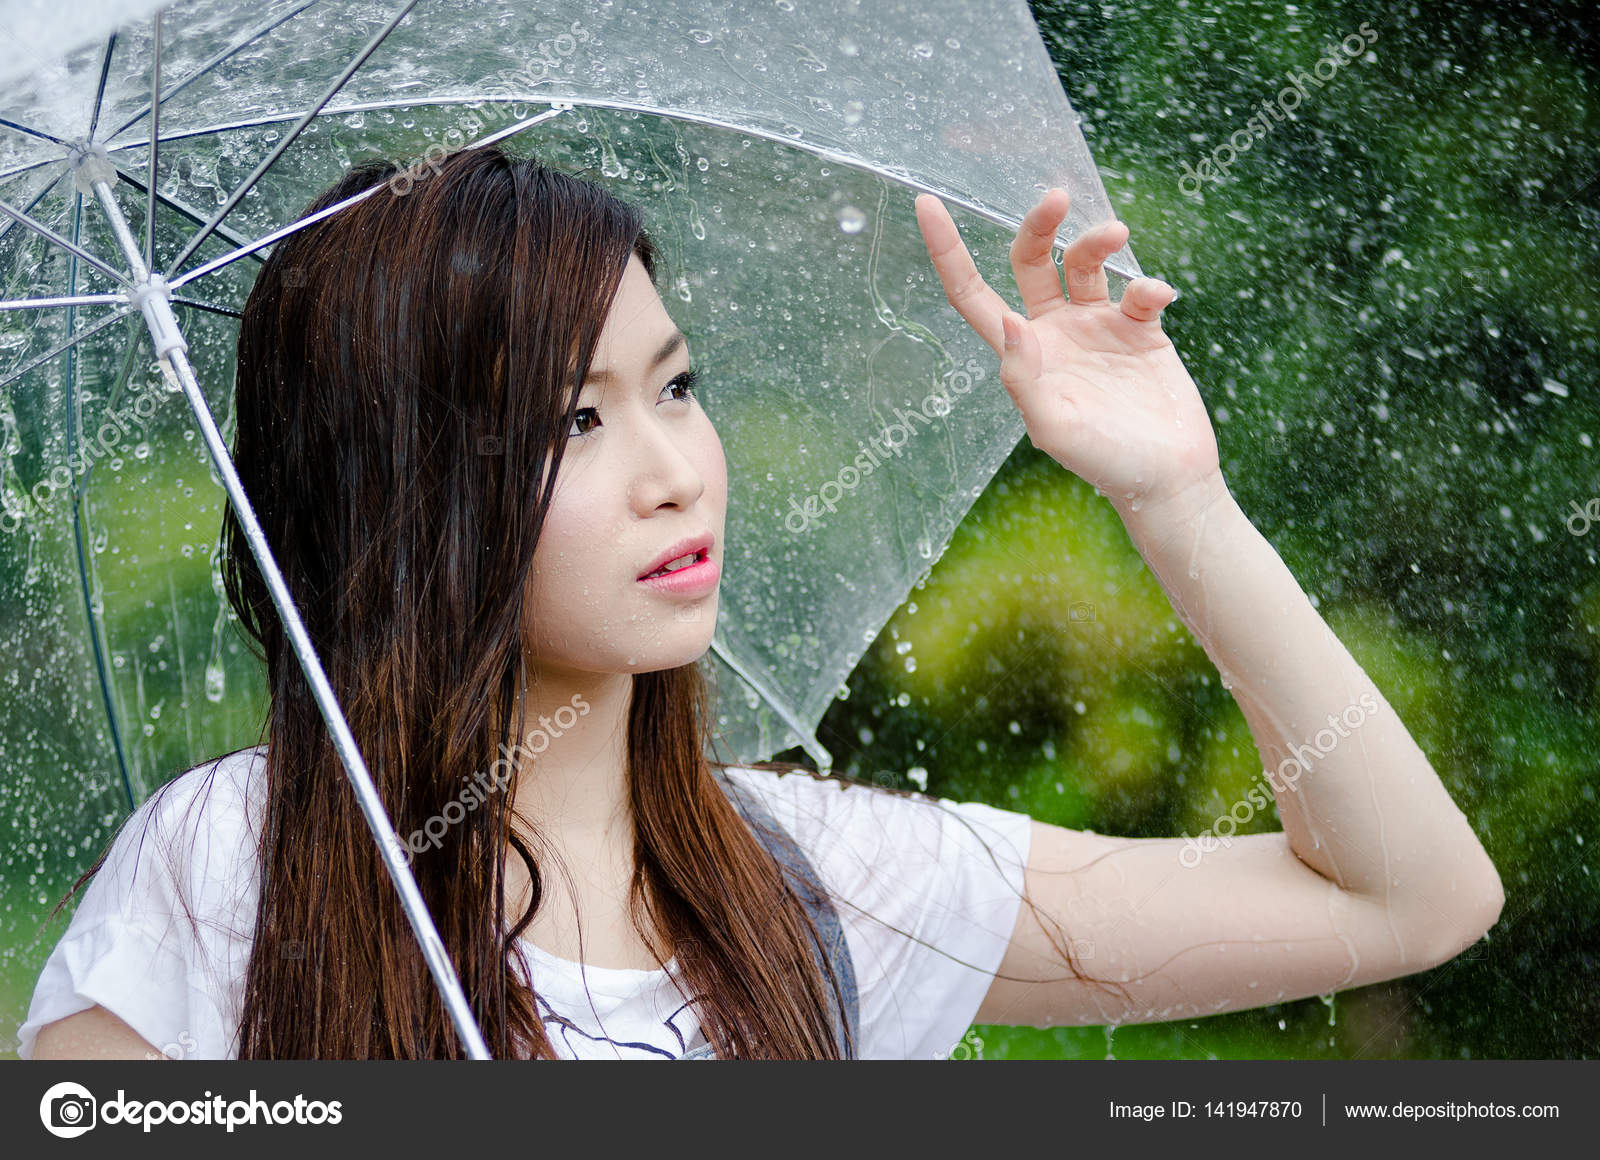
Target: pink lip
[[695, 580]]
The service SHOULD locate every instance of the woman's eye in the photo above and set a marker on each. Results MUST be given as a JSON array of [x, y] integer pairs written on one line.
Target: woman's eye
[[577, 420], [688, 382]]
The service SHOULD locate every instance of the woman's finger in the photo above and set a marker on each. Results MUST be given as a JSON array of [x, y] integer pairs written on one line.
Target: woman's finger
[[1145, 298], [1036, 275], [972, 297], [1083, 263], [1021, 360]]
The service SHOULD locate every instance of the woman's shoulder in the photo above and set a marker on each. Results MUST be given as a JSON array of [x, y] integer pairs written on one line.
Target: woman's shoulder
[[843, 819], [220, 797], [196, 835]]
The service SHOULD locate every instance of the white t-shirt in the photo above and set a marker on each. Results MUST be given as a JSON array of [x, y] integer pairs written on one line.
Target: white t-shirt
[[893, 866]]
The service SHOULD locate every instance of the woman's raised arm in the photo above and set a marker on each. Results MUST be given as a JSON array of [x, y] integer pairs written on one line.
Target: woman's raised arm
[[1377, 873]]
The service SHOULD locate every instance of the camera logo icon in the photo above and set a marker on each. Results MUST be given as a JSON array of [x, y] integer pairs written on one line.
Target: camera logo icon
[[67, 1110]]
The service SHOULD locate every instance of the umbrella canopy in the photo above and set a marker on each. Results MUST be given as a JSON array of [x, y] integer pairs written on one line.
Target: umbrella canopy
[[774, 150]]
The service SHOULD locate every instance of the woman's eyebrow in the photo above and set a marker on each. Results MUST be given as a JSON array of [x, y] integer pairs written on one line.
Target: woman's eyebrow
[[665, 352]]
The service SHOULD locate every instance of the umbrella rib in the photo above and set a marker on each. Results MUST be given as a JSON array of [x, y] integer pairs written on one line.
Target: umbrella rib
[[198, 305], [180, 208], [268, 239], [250, 38], [779, 705], [72, 247], [73, 300], [101, 669], [289, 138], [155, 142], [40, 133], [100, 92], [67, 344], [5, 226], [277, 235]]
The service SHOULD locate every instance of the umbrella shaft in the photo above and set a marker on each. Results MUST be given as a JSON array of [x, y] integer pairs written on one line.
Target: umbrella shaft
[[150, 295]]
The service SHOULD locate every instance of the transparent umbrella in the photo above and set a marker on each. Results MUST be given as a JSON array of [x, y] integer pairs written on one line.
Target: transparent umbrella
[[150, 160]]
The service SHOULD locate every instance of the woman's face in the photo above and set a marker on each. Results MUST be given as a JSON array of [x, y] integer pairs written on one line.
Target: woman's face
[[643, 471]]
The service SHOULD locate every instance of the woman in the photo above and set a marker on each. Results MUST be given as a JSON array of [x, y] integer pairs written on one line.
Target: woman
[[468, 425]]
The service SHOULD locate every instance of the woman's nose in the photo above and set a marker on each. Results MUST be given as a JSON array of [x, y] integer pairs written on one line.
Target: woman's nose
[[666, 471]]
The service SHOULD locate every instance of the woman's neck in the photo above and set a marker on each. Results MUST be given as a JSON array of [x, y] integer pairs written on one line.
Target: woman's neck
[[572, 758]]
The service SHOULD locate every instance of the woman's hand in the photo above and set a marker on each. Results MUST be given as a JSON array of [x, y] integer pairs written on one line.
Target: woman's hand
[[1101, 388]]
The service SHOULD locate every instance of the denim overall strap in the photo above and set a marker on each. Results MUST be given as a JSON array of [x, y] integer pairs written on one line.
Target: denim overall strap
[[803, 878]]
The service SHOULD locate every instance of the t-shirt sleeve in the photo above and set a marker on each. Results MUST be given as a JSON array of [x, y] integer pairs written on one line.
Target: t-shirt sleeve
[[154, 939], [928, 891]]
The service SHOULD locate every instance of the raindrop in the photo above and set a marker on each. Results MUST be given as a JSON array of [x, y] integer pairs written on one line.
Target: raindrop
[[853, 221], [216, 682], [853, 112], [923, 50], [848, 47], [142, 451], [783, 5], [702, 165], [701, 36]]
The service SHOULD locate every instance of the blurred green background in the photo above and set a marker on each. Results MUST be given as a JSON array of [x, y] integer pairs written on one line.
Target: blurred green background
[[1389, 307]]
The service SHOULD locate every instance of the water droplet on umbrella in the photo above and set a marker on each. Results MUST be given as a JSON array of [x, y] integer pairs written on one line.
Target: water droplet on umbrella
[[142, 451], [701, 36], [852, 220], [848, 47], [853, 112], [216, 682]]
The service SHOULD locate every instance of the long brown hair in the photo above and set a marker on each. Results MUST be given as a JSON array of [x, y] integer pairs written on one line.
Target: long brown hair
[[397, 362]]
